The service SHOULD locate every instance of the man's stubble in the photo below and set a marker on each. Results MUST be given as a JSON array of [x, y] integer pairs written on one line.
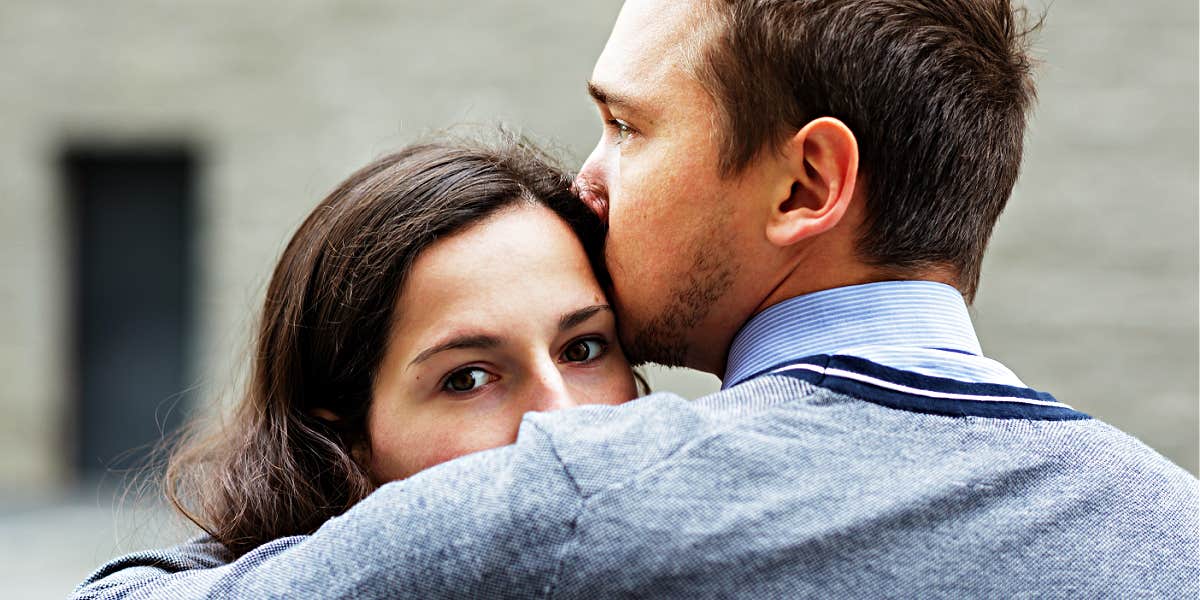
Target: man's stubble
[[667, 336]]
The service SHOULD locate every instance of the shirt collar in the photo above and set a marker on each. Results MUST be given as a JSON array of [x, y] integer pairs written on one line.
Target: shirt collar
[[915, 314]]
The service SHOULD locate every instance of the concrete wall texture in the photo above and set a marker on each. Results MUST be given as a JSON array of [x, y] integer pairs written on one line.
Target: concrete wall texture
[[1090, 289]]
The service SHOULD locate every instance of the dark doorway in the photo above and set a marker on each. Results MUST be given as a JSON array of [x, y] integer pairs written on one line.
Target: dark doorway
[[132, 234]]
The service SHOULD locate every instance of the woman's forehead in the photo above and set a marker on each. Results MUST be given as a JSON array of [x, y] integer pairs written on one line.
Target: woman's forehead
[[523, 266]]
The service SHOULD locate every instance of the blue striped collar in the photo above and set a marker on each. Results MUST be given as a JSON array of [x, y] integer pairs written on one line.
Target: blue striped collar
[[898, 314], [909, 341]]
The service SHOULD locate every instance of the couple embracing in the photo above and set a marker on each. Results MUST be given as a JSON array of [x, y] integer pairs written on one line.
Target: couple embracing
[[792, 195]]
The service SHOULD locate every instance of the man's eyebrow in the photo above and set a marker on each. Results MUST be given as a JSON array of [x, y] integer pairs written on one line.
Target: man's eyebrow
[[611, 98], [458, 343], [577, 317]]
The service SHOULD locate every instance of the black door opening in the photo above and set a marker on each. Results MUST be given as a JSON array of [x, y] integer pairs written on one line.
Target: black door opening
[[132, 218]]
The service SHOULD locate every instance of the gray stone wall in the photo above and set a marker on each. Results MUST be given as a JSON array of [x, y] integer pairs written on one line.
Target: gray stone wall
[[1090, 290], [1090, 287]]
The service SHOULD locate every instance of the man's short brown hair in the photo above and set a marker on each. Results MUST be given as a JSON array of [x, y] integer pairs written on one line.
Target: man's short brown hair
[[935, 91]]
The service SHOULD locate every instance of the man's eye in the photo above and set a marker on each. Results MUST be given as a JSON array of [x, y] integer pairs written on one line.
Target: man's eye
[[467, 380], [584, 350], [622, 130]]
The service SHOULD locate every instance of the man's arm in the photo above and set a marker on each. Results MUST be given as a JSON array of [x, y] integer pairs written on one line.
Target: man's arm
[[490, 524]]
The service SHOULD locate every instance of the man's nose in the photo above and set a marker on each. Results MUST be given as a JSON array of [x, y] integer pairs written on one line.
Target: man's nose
[[591, 183]]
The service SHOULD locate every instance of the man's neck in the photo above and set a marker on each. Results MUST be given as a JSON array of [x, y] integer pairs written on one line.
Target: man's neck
[[901, 323], [796, 285], [799, 283]]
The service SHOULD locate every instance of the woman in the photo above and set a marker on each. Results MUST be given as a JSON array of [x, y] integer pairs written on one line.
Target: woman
[[424, 306]]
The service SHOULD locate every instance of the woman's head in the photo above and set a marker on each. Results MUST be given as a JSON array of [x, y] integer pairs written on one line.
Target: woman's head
[[428, 302], [494, 321]]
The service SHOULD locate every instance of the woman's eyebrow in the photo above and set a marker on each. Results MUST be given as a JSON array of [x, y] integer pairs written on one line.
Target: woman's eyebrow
[[458, 343], [577, 317]]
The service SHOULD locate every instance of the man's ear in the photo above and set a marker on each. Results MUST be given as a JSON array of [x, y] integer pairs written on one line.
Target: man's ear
[[822, 164]]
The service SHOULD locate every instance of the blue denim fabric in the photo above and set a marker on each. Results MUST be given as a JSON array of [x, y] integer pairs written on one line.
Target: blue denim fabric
[[776, 488]]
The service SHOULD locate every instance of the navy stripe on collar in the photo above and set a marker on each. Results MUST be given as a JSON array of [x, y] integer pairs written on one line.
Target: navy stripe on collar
[[915, 392]]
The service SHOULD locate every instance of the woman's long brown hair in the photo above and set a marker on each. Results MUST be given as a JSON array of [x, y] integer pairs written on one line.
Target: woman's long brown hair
[[274, 468]]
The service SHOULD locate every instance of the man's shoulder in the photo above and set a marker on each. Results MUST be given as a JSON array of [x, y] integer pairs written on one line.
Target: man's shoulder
[[826, 452], [807, 489]]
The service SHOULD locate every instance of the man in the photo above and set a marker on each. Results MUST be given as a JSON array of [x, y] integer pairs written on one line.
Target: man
[[799, 195]]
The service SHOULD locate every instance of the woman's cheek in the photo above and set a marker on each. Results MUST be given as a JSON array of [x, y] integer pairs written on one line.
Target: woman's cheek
[[618, 385], [452, 434], [407, 443]]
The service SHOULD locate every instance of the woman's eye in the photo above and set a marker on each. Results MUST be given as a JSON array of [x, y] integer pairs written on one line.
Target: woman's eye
[[467, 380], [584, 350]]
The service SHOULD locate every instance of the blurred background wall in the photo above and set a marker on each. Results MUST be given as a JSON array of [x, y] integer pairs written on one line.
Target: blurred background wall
[[155, 157]]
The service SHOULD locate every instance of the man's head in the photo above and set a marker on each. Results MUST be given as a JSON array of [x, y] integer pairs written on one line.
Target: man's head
[[757, 149]]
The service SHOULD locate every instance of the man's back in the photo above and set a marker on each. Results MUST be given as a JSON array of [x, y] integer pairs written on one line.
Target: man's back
[[813, 493]]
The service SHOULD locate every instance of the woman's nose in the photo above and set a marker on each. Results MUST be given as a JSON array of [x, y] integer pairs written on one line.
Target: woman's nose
[[548, 390]]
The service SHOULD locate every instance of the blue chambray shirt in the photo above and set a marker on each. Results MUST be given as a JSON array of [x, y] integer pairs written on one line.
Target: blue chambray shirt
[[862, 447]]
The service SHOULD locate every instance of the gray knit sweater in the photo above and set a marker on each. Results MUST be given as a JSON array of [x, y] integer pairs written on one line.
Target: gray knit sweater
[[776, 488]]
